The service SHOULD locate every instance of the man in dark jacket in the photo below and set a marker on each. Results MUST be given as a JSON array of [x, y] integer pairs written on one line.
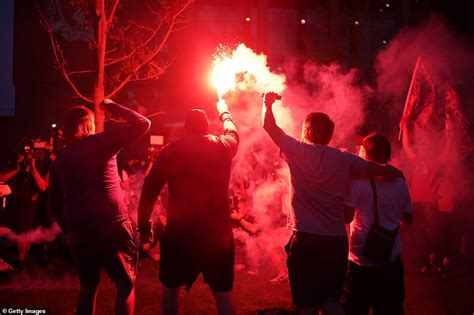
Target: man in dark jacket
[[198, 235], [87, 199]]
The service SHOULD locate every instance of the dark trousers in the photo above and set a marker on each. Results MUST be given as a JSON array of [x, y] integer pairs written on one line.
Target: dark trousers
[[380, 288], [316, 268]]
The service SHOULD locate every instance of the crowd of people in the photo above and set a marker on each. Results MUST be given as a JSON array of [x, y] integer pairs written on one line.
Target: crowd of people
[[210, 220]]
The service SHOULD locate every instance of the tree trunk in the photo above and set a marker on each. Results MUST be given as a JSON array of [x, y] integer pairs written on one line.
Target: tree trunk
[[99, 85]]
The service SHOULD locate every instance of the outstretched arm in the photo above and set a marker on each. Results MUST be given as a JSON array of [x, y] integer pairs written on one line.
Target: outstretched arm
[[386, 171], [269, 123], [361, 167], [134, 127], [4, 177]]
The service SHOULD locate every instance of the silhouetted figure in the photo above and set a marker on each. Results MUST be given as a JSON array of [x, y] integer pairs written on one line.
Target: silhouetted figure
[[198, 234], [88, 202], [27, 178], [370, 284]]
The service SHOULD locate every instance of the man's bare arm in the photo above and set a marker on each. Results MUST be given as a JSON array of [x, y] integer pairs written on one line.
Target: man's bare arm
[[269, 123]]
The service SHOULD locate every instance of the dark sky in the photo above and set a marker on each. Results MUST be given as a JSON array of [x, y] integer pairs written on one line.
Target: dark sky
[[7, 93]]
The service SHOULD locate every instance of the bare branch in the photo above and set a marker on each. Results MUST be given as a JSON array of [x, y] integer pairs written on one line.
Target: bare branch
[[59, 57], [110, 19], [121, 120], [152, 71], [143, 27], [151, 9], [139, 47], [155, 52], [80, 72]]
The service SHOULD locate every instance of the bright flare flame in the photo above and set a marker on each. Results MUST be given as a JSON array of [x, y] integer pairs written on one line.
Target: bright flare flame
[[223, 76], [244, 61]]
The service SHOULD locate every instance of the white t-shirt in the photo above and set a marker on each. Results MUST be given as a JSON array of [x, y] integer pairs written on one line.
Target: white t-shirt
[[393, 200], [320, 177]]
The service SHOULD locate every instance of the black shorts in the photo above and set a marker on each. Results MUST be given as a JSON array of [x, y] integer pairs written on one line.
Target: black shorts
[[183, 257], [381, 288], [114, 250], [316, 268]]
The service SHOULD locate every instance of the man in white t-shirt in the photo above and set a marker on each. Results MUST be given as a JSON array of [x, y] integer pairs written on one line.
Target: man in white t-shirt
[[320, 176], [368, 284]]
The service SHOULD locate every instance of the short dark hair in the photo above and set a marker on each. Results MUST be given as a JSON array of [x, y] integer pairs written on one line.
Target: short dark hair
[[318, 128], [78, 123], [377, 148], [196, 122]]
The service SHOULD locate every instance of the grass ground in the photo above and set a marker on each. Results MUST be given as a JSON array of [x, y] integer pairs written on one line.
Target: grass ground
[[429, 293]]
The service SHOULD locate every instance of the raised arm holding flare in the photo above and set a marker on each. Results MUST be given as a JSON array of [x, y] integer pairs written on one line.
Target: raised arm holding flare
[[198, 234]]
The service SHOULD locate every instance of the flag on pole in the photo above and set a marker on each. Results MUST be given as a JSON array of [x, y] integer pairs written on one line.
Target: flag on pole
[[434, 132]]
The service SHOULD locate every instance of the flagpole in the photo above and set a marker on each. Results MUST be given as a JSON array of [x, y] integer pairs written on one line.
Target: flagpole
[[415, 70]]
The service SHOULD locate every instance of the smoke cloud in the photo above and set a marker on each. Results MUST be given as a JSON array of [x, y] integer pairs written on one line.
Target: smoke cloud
[[305, 87], [38, 235], [308, 86]]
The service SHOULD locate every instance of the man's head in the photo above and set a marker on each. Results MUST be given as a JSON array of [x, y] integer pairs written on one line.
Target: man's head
[[196, 122], [317, 128], [78, 123], [377, 148]]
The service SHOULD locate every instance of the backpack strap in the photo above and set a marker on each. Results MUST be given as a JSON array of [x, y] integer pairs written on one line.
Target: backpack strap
[[376, 219]]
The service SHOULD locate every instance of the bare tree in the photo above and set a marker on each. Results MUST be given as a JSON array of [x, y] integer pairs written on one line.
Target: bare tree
[[125, 49]]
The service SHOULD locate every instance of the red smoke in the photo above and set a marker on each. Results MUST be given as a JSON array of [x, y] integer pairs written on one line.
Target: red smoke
[[305, 87], [448, 56]]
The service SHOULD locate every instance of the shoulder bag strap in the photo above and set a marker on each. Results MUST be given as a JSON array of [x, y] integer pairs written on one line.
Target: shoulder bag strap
[[374, 192]]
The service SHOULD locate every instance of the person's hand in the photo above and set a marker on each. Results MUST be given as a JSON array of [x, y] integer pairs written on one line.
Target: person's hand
[[144, 241], [234, 215], [270, 97], [105, 103], [223, 110]]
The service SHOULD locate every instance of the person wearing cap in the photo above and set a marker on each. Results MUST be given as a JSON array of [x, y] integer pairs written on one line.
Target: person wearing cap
[[320, 176], [370, 284], [198, 235]]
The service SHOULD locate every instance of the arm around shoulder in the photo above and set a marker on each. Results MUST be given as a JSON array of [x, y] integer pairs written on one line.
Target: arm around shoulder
[[387, 171]]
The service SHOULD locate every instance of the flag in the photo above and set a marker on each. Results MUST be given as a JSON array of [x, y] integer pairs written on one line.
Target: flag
[[434, 132]]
